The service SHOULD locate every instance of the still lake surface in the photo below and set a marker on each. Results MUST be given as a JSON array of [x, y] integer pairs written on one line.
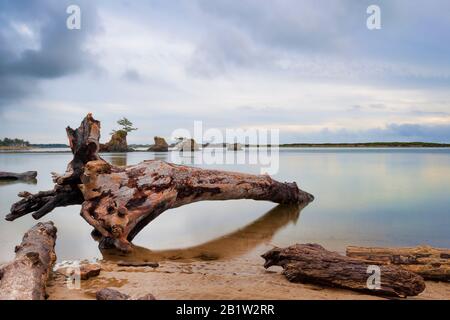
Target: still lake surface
[[367, 197]]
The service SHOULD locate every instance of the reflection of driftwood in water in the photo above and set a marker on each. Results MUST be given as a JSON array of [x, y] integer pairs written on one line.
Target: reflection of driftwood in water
[[120, 201], [9, 182], [12, 176], [228, 246], [430, 263], [119, 160]]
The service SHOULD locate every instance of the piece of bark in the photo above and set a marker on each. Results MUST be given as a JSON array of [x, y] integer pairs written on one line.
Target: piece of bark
[[25, 278], [138, 264], [311, 263], [112, 294], [119, 201], [29, 175], [430, 263]]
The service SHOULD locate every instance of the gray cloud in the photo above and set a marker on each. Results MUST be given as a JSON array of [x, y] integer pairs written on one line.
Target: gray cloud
[[132, 75], [326, 39], [392, 132], [35, 44]]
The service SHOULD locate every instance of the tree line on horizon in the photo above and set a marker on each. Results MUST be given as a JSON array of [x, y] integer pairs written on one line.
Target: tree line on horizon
[[8, 142]]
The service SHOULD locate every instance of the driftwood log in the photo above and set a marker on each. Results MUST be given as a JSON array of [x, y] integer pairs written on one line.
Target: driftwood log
[[25, 278], [311, 263], [430, 263], [119, 201], [29, 175]]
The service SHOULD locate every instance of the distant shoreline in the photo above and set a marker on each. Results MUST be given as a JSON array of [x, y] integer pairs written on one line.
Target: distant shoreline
[[368, 145]]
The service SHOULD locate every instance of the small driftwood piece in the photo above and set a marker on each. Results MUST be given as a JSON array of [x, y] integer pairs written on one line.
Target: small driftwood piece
[[119, 201], [311, 263], [8, 176], [430, 263], [138, 264], [25, 278]]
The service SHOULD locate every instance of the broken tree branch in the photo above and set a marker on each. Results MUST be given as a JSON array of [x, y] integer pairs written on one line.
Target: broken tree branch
[[25, 278], [119, 201]]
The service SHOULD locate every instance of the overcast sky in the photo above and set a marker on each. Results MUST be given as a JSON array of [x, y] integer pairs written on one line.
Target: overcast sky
[[308, 67]]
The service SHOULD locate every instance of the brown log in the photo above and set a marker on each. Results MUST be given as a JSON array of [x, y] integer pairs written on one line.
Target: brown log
[[311, 263], [25, 278], [119, 201], [138, 264], [430, 263], [29, 175]]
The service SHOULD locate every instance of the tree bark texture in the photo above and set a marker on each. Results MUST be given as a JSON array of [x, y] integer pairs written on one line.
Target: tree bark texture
[[25, 278], [430, 263], [311, 263]]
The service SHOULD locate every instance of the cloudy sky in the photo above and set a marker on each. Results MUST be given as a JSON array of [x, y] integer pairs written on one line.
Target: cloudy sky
[[308, 67]]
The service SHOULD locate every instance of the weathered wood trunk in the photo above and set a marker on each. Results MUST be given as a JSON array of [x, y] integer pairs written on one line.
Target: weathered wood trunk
[[29, 175], [311, 263], [119, 201], [25, 278], [430, 263]]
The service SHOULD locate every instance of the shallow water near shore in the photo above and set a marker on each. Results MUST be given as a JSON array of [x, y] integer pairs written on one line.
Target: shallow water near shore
[[367, 197]]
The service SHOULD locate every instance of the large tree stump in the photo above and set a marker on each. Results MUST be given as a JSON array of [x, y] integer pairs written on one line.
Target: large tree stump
[[25, 278], [119, 201], [311, 263], [430, 263]]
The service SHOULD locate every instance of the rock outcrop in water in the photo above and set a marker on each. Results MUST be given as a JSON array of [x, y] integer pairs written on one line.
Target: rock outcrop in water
[[234, 147], [159, 146], [118, 143], [187, 145]]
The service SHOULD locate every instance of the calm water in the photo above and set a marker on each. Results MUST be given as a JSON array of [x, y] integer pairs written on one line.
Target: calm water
[[383, 197]]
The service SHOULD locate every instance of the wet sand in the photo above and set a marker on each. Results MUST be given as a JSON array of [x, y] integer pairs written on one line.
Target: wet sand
[[237, 278], [228, 267]]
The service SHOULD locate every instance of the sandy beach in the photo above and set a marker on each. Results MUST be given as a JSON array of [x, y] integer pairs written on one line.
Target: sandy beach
[[242, 277]]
